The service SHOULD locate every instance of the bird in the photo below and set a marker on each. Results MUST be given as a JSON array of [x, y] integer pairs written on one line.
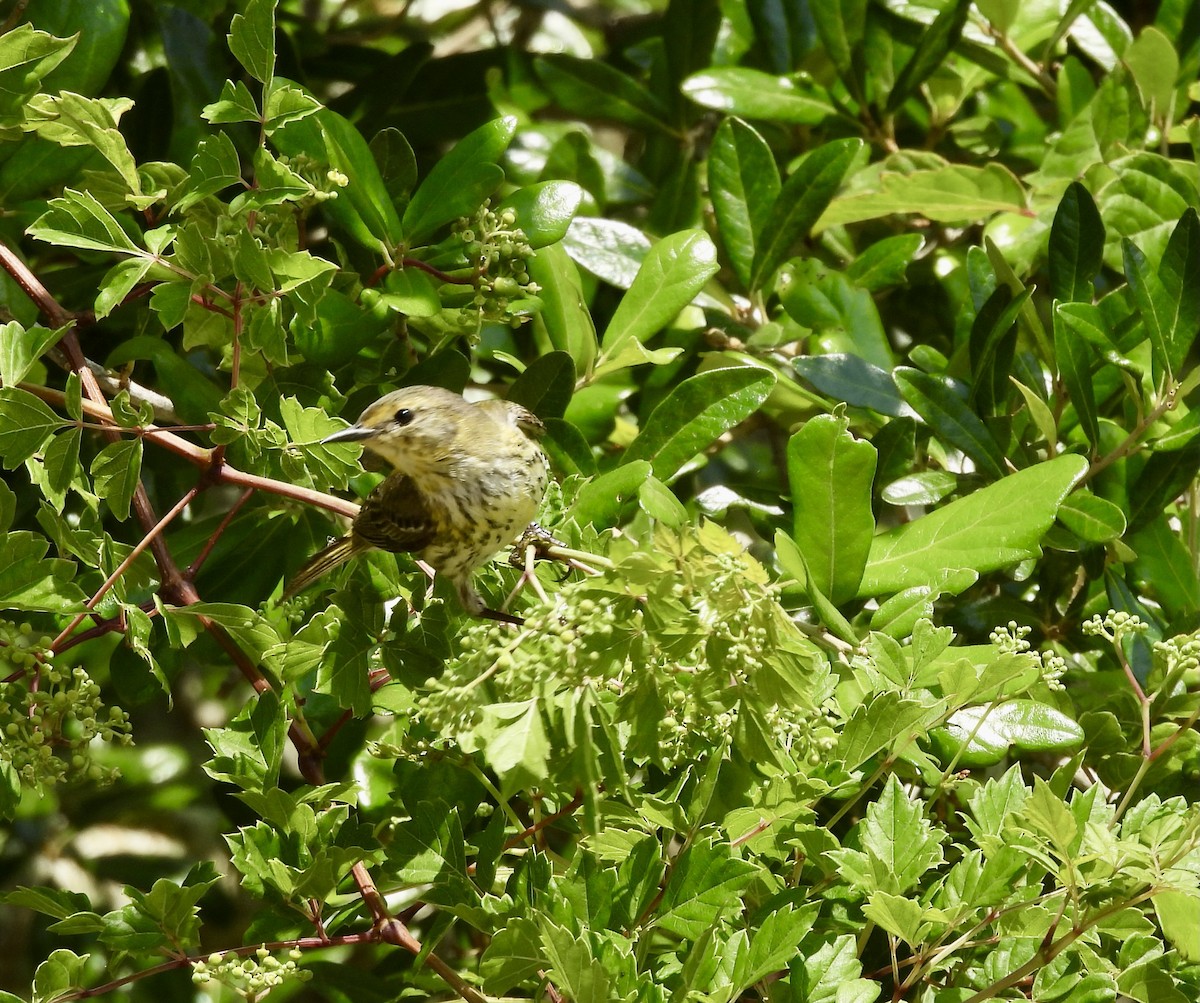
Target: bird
[[466, 480]]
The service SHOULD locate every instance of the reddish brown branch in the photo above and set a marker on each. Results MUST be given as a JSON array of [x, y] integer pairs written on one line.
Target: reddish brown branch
[[217, 534], [201, 457], [32, 287], [121, 568]]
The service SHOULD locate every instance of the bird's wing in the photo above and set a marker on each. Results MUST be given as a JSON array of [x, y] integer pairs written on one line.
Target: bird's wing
[[323, 562], [395, 517]]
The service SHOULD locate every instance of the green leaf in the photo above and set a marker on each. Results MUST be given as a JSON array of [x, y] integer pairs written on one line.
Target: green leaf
[[77, 219], [632, 352], [840, 25], [830, 974], [696, 413], [898, 615], [287, 103], [792, 561], [27, 56], [248, 752], [750, 93], [992, 344], [803, 198], [61, 457], [954, 193], [1179, 273], [600, 500], [608, 248], [774, 944], [936, 401], [514, 741], [850, 378], [1163, 478], [1153, 305], [830, 473], [408, 291], [705, 883], [1076, 246], [564, 314], [885, 262], [843, 314], [925, 487], [1176, 912], [744, 183], [690, 29], [544, 211], [546, 385], [428, 849], [119, 282], [252, 39], [936, 42], [597, 90], [996, 526], [459, 181], [61, 973], [513, 955], [674, 271], [1093, 519], [898, 915], [397, 162], [1021, 725], [572, 966], [115, 474], [1164, 564], [1039, 411], [1154, 63], [886, 720], [71, 120], [567, 448], [1074, 357], [25, 424], [21, 348], [236, 104], [215, 167], [898, 844], [30, 581]]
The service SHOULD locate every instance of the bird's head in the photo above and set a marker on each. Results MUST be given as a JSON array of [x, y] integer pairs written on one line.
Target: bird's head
[[427, 428]]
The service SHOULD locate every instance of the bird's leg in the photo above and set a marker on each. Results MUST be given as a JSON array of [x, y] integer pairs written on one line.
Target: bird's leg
[[547, 547], [528, 575], [431, 575]]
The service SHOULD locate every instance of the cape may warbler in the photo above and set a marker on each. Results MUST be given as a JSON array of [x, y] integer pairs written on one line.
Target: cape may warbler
[[466, 481]]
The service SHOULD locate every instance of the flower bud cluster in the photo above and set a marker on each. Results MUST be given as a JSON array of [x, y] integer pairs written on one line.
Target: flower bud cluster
[[1115, 626], [1181, 654], [325, 181], [46, 730], [251, 977], [499, 251], [1011, 640], [686, 627]]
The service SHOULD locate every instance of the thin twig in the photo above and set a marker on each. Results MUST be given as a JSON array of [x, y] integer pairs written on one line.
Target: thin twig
[[121, 568]]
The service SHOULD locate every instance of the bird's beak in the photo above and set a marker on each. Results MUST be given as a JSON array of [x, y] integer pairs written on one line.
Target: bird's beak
[[355, 433]]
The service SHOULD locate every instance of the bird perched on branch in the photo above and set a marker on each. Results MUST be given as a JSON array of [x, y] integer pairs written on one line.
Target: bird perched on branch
[[467, 479]]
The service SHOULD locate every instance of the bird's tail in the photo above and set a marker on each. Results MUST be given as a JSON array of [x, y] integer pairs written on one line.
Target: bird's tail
[[324, 561]]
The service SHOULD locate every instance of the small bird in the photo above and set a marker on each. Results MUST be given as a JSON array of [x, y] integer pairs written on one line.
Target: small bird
[[466, 481]]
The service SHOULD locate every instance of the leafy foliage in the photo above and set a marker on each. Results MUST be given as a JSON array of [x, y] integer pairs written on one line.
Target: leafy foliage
[[864, 337]]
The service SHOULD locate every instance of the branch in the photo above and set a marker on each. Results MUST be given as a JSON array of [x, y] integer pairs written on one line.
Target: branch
[[203, 457]]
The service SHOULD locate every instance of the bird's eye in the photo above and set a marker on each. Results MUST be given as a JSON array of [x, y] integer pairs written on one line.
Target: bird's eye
[[404, 416]]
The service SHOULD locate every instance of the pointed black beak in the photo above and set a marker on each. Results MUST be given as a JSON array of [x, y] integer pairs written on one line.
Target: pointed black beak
[[355, 433]]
